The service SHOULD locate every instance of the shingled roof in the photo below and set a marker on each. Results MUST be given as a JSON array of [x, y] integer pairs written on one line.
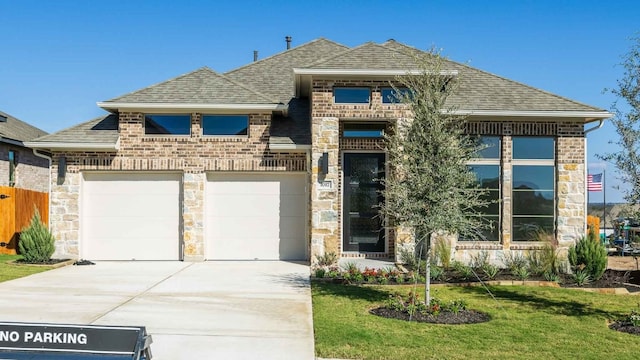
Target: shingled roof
[[274, 75], [271, 81], [101, 130], [203, 86], [480, 90], [17, 130]]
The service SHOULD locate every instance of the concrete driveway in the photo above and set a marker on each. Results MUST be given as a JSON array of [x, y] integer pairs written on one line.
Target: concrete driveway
[[208, 310]]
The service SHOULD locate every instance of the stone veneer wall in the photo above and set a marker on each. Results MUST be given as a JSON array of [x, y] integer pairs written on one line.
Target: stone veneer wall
[[193, 155], [327, 118], [32, 172]]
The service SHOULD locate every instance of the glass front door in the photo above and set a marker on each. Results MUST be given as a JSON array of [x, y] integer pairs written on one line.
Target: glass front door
[[363, 229]]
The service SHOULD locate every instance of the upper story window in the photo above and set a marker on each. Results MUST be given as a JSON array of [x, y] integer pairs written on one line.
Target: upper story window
[[393, 96], [356, 130], [167, 124], [13, 161], [351, 95], [225, 125]]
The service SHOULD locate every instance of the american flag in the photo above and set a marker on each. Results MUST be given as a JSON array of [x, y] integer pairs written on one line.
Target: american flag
[[594, 182]]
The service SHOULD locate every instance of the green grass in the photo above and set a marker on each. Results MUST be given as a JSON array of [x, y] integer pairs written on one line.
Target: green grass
[[527, 323], [9, 271]]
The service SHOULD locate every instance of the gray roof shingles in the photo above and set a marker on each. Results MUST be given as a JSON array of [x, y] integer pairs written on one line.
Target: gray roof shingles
[[101, 130], [270, 80], [17, 130], [203, 86]]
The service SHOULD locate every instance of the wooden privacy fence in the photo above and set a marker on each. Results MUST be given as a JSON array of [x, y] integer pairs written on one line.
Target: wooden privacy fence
[[16, 210]]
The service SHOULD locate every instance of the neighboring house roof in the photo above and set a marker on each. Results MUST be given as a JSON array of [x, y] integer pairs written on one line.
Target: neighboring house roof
[[271, 82], [203, 86], [274, 75], [17, 131], [99, 133]]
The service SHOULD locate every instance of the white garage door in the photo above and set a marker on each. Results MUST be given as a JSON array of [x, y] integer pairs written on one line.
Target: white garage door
[[256, 216], [129, 216]]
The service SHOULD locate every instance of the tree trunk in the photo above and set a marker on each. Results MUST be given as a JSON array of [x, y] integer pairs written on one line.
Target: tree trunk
[[427, 270]]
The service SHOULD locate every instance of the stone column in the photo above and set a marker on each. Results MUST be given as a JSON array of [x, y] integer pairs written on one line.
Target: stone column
[[193, 216], [64, 213], [571, 203], [325, 190]]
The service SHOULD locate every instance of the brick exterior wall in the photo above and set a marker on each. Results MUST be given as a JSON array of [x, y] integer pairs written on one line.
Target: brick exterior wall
[[326, 205], [32, 172], [194, 155]]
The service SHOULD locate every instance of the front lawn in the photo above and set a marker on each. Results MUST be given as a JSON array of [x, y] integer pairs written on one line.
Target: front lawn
[[527, 323], [10, 271]]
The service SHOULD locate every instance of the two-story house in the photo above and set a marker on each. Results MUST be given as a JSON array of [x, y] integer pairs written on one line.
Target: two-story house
[[282, 159]]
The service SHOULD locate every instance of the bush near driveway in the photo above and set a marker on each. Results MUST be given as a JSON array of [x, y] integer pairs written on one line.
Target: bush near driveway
[[527, 323]]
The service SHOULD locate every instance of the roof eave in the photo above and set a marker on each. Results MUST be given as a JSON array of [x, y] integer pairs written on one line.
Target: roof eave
[[586, 116], [182, 107], [74, 146], [11, 141]]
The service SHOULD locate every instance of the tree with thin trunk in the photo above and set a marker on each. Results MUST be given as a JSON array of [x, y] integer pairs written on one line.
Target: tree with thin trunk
[[626, 118], [430, 188]]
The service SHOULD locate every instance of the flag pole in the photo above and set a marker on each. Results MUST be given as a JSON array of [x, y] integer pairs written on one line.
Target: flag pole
[[604, 200]]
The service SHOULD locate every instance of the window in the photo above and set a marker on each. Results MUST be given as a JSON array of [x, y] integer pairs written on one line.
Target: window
[[486, 167], [13, 161], [393, 96], [167, 124], [352, 95], [352, 130], [225, 125], [533, 188]]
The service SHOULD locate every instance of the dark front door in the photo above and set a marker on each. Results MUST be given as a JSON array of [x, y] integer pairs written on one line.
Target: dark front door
[[363, 229]]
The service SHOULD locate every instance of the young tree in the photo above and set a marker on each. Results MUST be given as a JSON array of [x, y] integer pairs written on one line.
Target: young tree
[[626, 118], [430, 187]]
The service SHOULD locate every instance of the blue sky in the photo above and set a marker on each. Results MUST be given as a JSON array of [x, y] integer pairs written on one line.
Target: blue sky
[[58, 58]]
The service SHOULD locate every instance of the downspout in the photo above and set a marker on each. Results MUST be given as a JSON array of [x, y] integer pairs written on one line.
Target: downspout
[[586, 173], [36, 153]]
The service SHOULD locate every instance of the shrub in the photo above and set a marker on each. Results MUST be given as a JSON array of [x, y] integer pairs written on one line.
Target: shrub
[[408, 257], [491, 271], [436, 272], [328, 259], [514, 261], [581, 277], [320, 272], [464, 271], [36, 242], [522, 273], [480, 260], [589, 255], [441, 252]]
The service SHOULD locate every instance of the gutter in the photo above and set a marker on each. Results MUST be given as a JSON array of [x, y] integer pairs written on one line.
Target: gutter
[[73, 146], [593, 115], [36, 153], [177, 108]]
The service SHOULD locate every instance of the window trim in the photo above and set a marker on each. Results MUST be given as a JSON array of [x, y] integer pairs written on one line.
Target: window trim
[[492, 162], [368, 102], [167, 135], [383, 128], [209, 136], [535, 162]]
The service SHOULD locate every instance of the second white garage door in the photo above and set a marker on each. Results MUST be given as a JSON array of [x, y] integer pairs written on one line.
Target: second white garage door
[[127, 216], [256, 216]]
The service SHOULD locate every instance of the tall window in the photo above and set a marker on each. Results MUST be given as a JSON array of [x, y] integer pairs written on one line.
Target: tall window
[[13, 161], [533, 194], [486, 167], [167, 124]]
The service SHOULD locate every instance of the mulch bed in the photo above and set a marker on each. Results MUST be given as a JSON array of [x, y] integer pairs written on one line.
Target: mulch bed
[[444, 317], [626, 327]]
